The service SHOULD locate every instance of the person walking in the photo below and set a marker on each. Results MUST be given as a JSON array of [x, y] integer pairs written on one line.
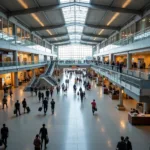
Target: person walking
[[93, 106], [31, 89], [121, 144], [37, 143], [47, 94], [51, 91], [35, 90], [44, 135], [45, 105], [17, 108], [42, 95], [52, 106], [10, 93], [4, 134], [81, 96], [58, 89], [128, 143], [24, 104], [5, 102], [39, 95]]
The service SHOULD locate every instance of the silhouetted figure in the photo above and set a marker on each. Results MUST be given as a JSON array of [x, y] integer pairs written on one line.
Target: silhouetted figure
[[39, 95], [45, 106], [44, 134], [4, 134], [93, 106], [121, 145], [24, 104], [128, 144], [53, 106], [37, 143], [17, 108], [47, 94]]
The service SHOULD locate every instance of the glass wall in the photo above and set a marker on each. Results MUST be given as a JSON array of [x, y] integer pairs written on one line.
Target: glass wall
[[74, 52]]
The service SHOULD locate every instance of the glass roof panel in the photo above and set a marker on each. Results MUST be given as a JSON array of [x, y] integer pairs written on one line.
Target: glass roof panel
[[76, 15]]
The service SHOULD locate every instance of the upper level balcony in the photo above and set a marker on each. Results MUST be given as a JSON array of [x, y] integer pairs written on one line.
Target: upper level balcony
[[139, 40], [6, 67], [13, 42]]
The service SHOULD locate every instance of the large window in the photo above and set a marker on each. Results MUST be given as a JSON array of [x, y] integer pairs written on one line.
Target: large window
[[75, 52]]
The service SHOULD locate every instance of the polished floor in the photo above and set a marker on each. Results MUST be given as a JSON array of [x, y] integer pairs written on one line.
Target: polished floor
[[73, 127]]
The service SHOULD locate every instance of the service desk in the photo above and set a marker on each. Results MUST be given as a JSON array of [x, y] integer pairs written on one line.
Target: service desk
[[139, 120], [105, 90], [114, 97]]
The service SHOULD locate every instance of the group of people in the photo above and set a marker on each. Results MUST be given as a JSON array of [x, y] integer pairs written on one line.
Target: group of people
[[124, 144]]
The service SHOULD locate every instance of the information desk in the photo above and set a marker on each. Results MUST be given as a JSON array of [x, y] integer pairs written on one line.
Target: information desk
[[139, 120], [105, 90], [114, 97]]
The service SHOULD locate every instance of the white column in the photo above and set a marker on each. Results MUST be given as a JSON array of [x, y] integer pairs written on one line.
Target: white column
[[121, 106], [111, 58], [129, 61], [16, 82]]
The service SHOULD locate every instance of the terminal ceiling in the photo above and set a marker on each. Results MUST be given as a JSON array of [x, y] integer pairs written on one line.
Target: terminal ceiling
[[73, 21]]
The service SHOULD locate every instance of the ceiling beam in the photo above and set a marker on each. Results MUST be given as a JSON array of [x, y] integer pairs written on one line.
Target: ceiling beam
[[80, 33], [61, 41], [90, 41], [59, 6], [78, 24]]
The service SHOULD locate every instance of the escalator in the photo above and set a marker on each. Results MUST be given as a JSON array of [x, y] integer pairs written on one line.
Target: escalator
[[50, 69]]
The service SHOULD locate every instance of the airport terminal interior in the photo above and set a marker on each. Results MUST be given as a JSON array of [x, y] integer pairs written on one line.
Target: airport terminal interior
[[74, 74]]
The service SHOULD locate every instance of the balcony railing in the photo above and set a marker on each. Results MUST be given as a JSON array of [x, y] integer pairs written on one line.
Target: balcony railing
[[13, 63], [132, 38], [16, 40]]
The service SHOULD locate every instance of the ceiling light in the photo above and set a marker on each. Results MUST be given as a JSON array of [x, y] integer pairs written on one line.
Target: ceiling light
[[113, 18], [24, 5]]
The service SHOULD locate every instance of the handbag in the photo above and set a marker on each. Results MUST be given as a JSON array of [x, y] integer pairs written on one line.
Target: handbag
[[47, 140], [95, 109], [15, 111]]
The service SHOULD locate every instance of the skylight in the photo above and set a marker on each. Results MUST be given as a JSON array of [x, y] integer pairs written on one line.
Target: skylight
[[75, 15]]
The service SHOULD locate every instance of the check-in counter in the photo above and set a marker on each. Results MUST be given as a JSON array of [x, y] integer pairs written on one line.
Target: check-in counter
[[139, 120], [114, 96], [105, 90]]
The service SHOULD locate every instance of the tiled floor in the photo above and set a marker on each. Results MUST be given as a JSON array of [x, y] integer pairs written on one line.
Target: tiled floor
[[73, 127]]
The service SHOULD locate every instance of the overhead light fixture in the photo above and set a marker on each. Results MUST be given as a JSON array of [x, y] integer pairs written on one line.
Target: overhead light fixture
[[24, 5], [127, 2]]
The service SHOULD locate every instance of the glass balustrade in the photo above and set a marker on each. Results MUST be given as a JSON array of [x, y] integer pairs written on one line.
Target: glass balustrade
[[138, 36], [15, 40]]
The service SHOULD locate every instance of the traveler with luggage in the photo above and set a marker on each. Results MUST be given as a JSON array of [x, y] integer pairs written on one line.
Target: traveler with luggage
[[17, 108], [24, 104], [93, 106]]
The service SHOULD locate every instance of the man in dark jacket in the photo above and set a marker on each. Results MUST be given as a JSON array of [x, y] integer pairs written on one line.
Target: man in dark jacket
[[44, 134], [4, 134], [81, 96], [47, 94], [121, 145], [39, 95], [128, 144], [53, 106], [45, 105], [17, 108]]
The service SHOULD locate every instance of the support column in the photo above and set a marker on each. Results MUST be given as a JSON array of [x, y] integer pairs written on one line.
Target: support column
[[15, 58], [32, 58], [45, 58], [16, 82], [111, 58], [147, 108], [129, 61], [120, 106]]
